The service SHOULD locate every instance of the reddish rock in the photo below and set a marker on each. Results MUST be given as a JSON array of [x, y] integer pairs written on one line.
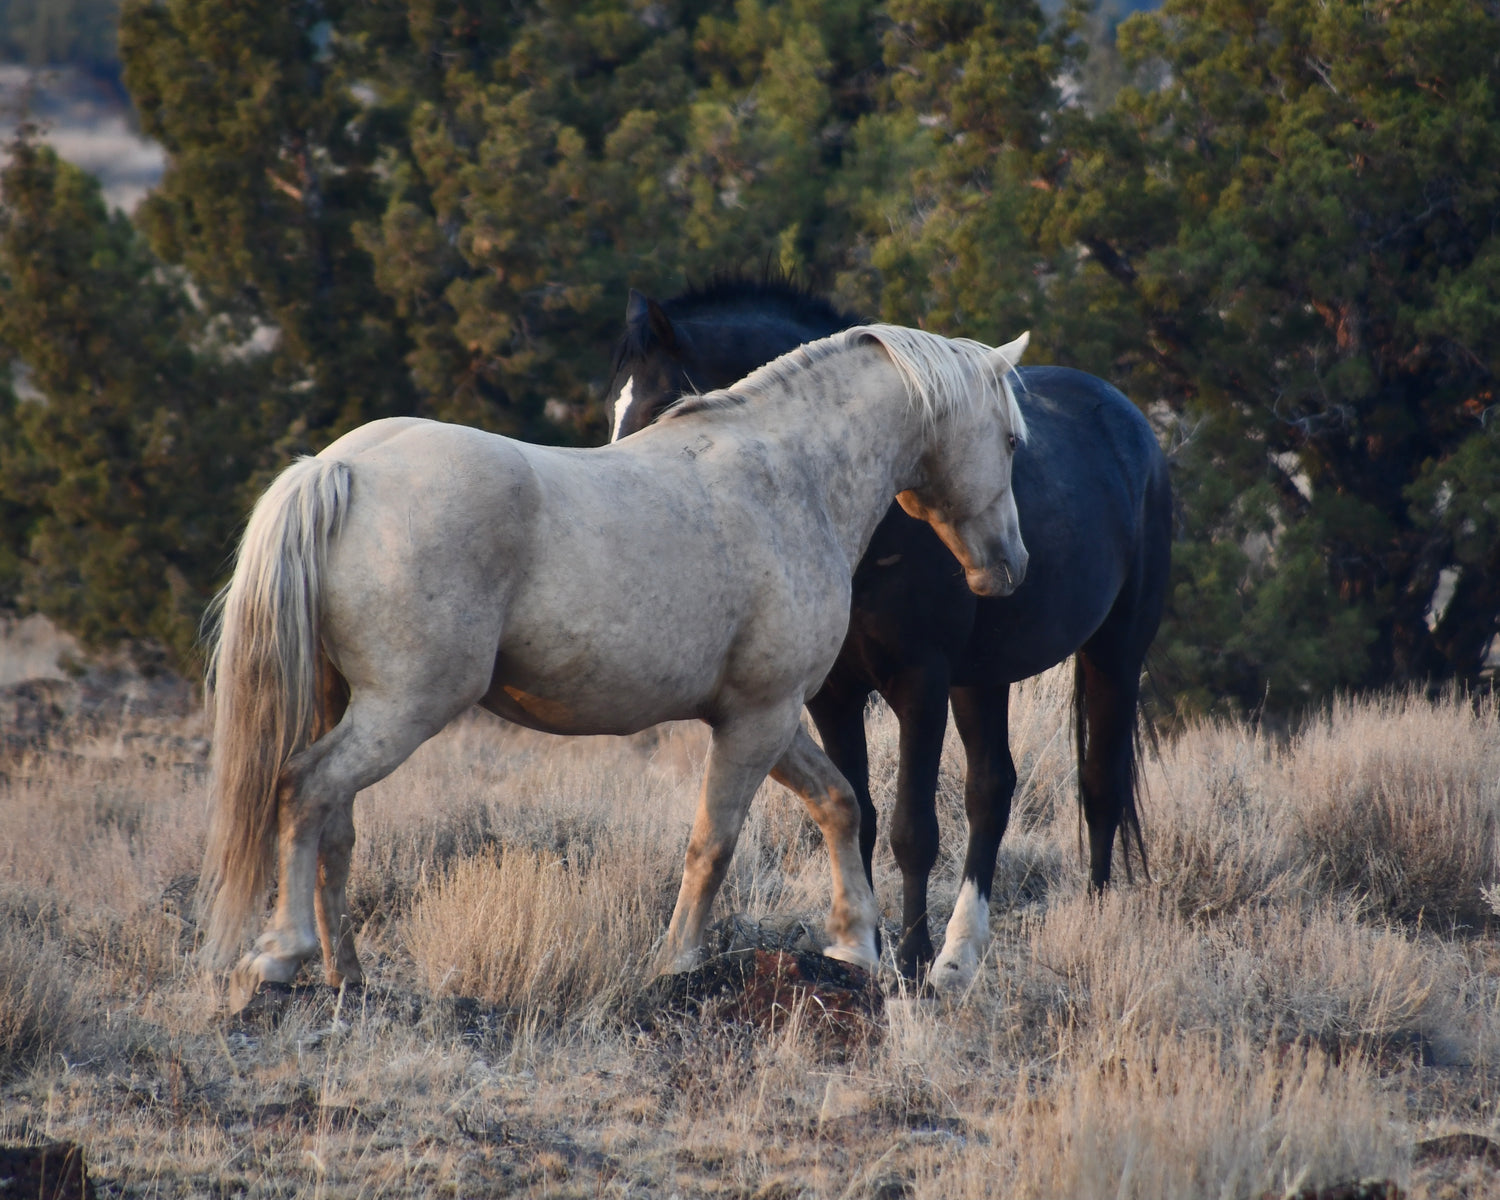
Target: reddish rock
[[833, 998]]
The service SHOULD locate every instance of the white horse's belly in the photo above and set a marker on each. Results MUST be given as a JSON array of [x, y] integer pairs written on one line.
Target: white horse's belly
[[552, 709], [606, 661]]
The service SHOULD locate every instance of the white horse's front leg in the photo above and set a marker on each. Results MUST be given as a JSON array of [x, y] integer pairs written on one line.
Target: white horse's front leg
[[739, 757], [851, 924]]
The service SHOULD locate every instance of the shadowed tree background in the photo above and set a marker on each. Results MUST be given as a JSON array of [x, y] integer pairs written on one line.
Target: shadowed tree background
[[1290, 218], [1271, 224], [121, 456], [51, 32]]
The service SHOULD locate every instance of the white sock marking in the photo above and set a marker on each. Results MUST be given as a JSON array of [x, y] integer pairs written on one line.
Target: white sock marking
[[968, 931], [622, 406]]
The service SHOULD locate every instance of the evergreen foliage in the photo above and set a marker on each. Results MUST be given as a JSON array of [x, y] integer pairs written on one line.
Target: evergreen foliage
[[572, 150], [1272, 224], [944, 168], [118, 464], [271, 163], [1290, 224]]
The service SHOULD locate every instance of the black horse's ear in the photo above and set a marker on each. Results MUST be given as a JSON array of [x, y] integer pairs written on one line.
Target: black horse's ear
[[661, 326], [643, 311], [637, 309]]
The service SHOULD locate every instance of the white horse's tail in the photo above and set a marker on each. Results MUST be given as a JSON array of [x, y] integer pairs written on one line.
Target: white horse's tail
[[262, 686]]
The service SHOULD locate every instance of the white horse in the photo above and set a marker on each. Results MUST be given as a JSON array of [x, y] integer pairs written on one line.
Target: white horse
[[698, 569]]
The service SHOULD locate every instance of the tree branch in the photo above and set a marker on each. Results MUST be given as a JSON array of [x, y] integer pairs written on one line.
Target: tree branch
[[1113, 262]]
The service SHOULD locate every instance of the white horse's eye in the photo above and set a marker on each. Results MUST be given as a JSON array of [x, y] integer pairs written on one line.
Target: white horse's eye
[[1014, 442]]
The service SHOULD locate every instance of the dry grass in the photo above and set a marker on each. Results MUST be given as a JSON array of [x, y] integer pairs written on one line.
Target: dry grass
[[37, 1011], [1169, 1116], [1398, 803], [541, 934], [1392, 801], [1304, 991]]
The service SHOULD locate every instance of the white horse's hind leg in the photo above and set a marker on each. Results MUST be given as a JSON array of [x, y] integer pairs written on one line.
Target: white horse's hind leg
[[739, 757], [315, 795], [851, 924], [335, 926]]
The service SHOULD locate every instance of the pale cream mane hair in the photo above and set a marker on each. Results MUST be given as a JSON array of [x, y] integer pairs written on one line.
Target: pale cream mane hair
[[940, 374]]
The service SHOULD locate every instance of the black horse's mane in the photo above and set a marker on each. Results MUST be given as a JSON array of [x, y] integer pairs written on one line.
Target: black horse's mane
[[731, 294], [771, 290]]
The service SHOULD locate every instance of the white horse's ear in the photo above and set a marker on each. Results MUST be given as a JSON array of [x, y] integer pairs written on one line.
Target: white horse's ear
[[1008, 356]]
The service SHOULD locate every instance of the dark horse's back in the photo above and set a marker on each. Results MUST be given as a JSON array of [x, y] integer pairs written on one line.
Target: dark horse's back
[[1094, 499]]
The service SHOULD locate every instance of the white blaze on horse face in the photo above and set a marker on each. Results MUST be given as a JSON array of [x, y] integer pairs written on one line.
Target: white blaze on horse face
[[968, 932], [622, 406]]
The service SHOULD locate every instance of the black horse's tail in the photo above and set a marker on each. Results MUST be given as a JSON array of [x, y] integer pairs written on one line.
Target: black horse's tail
[[1131, 837]]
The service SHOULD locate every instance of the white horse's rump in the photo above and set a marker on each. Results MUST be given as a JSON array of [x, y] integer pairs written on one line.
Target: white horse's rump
[[414, 569]]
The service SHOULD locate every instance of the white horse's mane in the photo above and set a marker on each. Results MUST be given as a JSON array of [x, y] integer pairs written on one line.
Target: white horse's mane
[[940, 374]]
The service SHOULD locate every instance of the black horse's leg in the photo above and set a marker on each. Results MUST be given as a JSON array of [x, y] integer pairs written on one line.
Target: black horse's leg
[[982, 716], [839, 714], [1108, 690], [919, 698]]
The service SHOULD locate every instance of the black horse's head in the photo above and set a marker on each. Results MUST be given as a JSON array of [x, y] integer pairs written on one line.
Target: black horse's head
[[653, 365], [706, 338]]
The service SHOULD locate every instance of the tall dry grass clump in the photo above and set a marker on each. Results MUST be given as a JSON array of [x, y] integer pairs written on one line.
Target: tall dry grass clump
[[1132, 963], [1161, 1116], [91, 840], [1390, 801], [535, 933], [1396, 799], [533, 879], [1217, 830], [38, 1010]]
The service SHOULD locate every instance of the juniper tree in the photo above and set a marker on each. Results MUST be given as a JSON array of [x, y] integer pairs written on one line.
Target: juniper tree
[[1289, 224], [582, 149], [942, 183], [120, 462], [270, 163]]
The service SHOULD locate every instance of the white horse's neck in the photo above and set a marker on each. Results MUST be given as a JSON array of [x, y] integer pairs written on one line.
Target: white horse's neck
[[848, 430]]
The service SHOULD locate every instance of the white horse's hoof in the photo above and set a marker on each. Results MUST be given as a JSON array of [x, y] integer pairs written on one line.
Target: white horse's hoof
[[854, 956], [256, 969], [243, 981], [951, 975], [681, 964]]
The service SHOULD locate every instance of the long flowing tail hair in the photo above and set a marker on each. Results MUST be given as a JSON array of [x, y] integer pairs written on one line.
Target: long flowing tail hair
[[1131, 837], [262, 686]]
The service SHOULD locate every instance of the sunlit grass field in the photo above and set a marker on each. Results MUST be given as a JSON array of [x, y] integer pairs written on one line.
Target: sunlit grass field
[[1303, 995]]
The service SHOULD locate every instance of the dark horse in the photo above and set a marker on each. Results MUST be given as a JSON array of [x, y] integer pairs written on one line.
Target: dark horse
[[1094, 500]]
